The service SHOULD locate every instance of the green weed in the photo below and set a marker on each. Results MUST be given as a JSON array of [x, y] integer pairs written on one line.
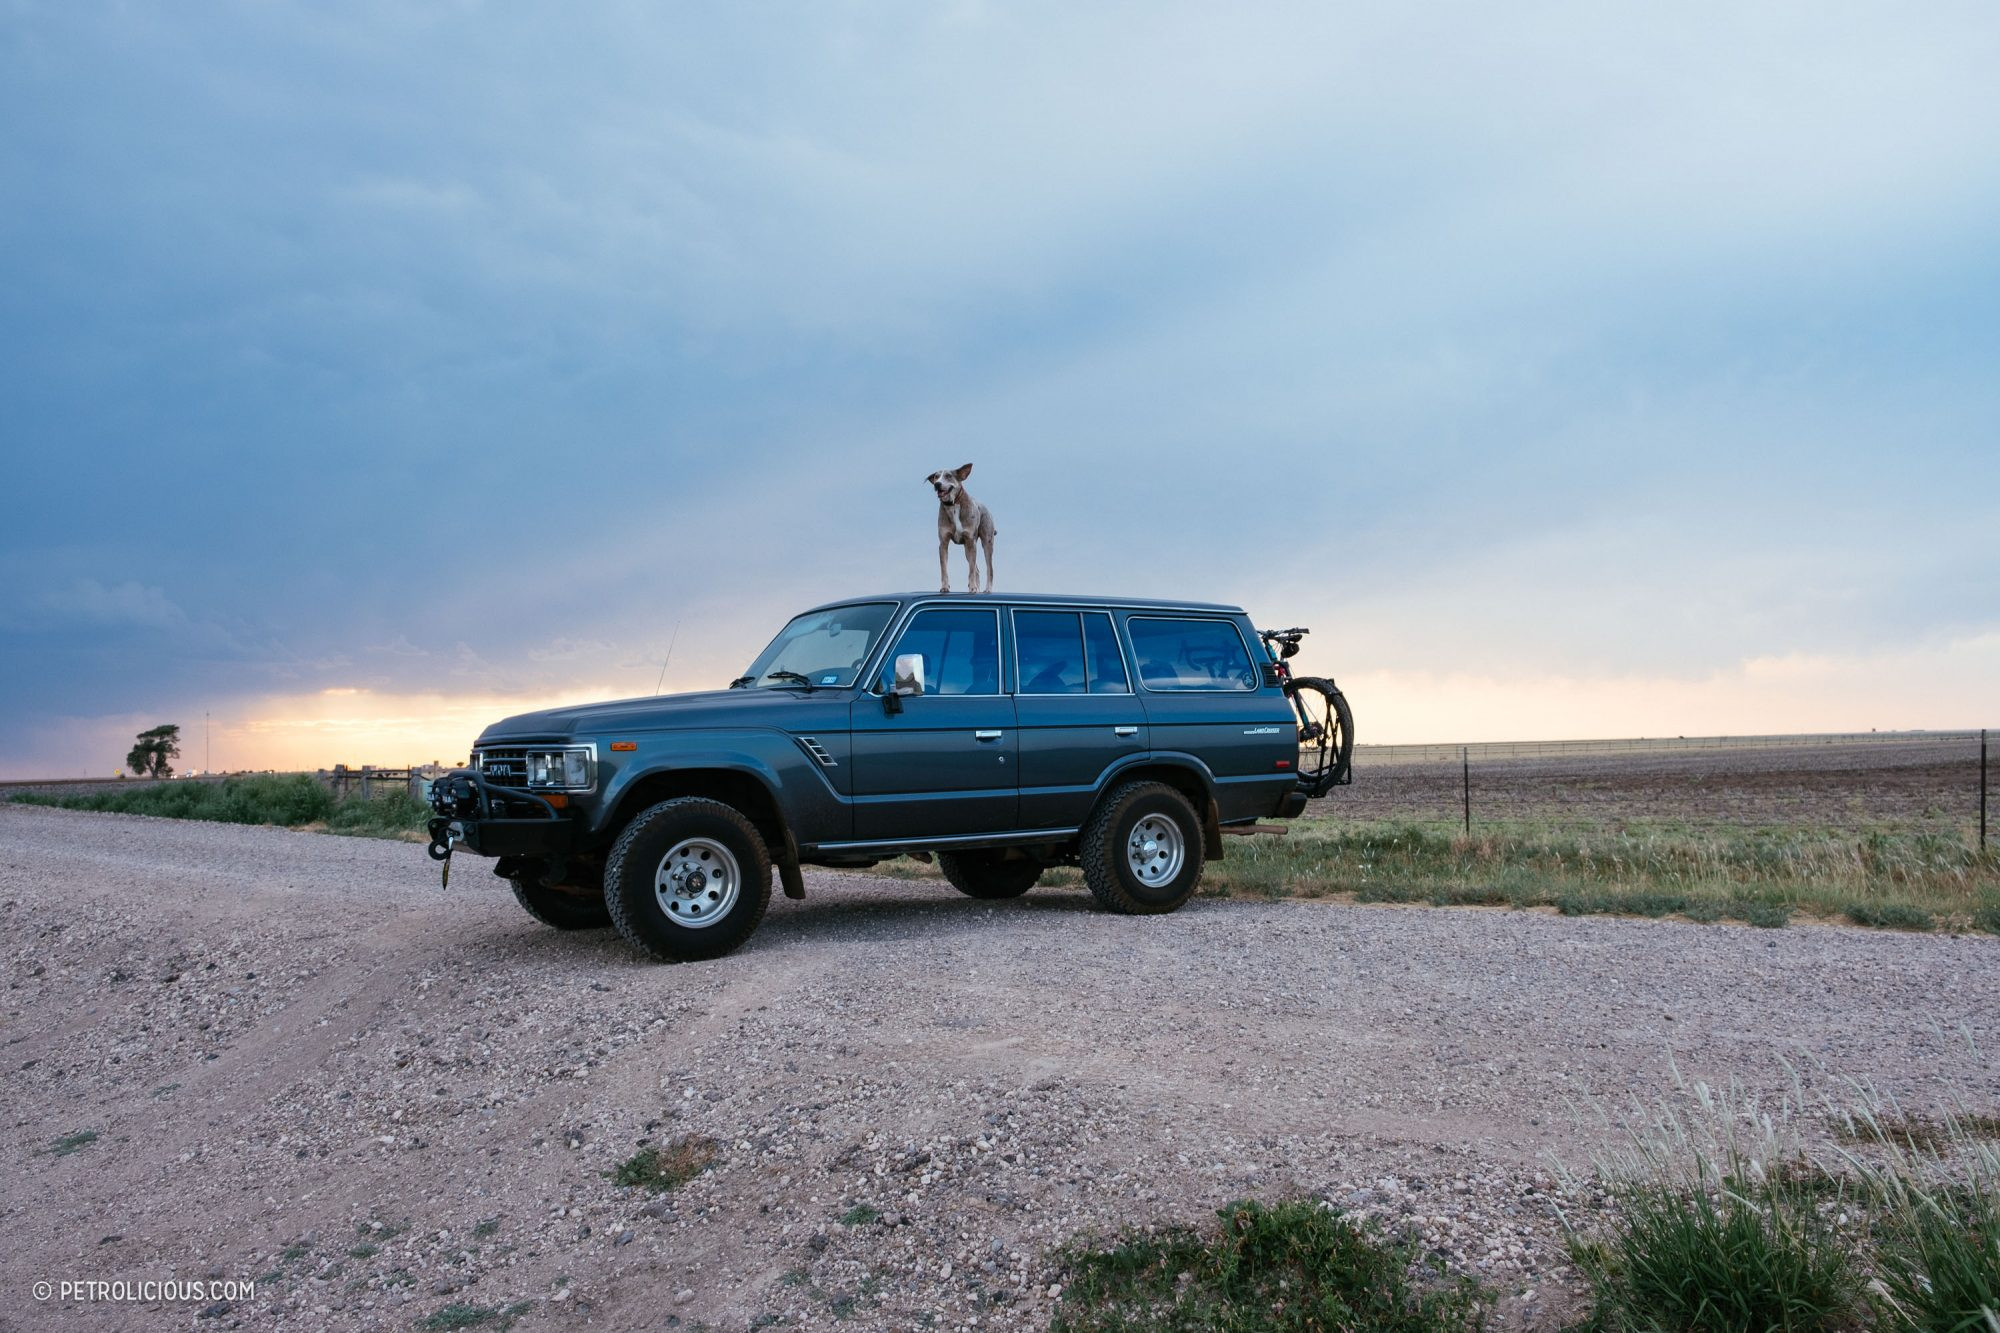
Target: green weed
[[664, 1168], [1889, 916], [460, 1315], [1293, 1266]]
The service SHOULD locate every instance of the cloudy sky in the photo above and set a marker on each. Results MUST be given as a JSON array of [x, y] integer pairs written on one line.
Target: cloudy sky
[[373, 371]]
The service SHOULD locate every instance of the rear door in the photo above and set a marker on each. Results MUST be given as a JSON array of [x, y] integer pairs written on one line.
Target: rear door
[[1076, 710], [1204, 696], [947, 763]]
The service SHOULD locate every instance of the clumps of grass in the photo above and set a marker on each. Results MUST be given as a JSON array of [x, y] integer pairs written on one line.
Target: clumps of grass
[[1725, 1222], [291, 800], [1765, 916], [70, 1143], [1889, 916], [1939, 1261], [486, 1228], [660, 1169], [1291, 1266], [365, 1250], [460, 1315], [1936, 1183], [1986, 916], [1760, 1257], [860, 1215], [1719, 1227]]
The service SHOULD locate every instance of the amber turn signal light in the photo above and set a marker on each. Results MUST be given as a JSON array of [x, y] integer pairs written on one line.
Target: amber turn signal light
[[624, 745]]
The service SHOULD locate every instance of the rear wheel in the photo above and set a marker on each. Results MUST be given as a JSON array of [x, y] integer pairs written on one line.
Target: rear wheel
[[986, 875], [688, 879], [1326, 733], [1142, 850]]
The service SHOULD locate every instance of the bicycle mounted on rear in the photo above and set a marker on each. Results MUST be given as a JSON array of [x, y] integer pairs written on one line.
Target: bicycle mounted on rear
[[1326, 725]]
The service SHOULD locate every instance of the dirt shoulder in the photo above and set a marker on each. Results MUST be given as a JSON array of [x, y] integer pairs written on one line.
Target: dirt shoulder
[[305, 1065]]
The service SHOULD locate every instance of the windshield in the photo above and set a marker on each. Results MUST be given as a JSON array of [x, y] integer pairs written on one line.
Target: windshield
[[827, 648]]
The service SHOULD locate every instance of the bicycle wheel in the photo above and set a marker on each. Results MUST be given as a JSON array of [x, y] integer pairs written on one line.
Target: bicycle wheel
[[1326, 734]]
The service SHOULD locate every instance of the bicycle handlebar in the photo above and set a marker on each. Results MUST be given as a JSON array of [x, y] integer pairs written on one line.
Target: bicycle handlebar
[[1282, 633]]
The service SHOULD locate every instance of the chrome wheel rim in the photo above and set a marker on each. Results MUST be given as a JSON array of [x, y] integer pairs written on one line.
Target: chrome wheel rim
[[697, 883], [1155, 851]]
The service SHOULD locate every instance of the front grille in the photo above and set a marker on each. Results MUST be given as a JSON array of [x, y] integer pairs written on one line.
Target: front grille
[[504, 766]]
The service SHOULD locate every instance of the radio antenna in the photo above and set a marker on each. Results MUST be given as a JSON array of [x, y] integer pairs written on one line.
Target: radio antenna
[[670, 657]]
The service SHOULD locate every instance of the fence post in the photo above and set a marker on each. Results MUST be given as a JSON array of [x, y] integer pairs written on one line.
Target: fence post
[[1465, 760], [1982, 791]]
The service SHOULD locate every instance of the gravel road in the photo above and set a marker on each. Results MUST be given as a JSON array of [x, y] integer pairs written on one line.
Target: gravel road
[[306, 1066]]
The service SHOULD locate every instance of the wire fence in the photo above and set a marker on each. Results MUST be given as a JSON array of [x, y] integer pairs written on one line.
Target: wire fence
[[1451, 752], [1931, 783]]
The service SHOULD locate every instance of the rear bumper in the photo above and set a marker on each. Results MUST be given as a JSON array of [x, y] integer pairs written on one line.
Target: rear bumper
[[1293, 805]]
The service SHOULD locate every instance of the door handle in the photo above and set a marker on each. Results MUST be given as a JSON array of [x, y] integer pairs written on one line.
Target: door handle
[[987, 735], [1124, 731]]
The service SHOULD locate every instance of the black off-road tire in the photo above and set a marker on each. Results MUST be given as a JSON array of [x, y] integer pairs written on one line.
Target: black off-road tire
[[636, 859], [986, 875], [1104, 850], [565, 911]]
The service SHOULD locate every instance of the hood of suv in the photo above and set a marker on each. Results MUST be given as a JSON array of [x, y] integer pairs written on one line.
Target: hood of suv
[[761, 707]]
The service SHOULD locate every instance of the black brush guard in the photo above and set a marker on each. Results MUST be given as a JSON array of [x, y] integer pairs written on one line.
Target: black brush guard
[[494, 820]]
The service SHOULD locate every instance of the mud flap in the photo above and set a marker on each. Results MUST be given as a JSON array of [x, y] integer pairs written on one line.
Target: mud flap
[[789, 878]]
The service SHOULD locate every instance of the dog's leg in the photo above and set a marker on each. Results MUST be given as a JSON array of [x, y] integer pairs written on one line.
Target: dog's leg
[[971, 565], [944, 570], [987, 542]]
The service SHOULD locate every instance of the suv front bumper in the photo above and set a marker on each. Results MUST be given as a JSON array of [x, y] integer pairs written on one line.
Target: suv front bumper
[[473, 812]]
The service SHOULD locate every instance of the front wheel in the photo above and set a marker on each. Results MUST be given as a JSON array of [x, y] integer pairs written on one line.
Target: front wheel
[[688, 879], [1142, 850], [986, 875], [1326, 734], [583, 909]]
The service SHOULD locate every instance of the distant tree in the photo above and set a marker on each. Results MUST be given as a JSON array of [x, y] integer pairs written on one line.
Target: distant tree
[[155, 751]]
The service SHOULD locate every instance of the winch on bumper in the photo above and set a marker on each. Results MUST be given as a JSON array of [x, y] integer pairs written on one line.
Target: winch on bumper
[[488, 819]]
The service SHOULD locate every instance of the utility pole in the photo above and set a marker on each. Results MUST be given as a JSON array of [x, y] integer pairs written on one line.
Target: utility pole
[[1982, 791], [206, 753]]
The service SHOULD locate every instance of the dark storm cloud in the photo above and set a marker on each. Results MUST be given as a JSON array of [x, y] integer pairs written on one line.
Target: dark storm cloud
[[479, 347]]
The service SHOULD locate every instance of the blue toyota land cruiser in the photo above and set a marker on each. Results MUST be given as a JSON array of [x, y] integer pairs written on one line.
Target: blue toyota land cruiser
[[1002, 734]]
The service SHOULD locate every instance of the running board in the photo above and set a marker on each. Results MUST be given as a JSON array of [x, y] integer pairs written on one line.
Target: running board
[[1254, 830]]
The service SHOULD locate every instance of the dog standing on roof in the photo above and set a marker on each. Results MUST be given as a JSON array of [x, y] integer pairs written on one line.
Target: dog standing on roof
[[964, 520]]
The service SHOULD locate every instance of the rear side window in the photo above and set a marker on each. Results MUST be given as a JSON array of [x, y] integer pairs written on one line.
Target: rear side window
[[1107, 664], [1050, 649], [960, 648], [1190, 655]]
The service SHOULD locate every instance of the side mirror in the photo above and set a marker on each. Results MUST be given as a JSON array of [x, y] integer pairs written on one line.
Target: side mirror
[[909, 675]]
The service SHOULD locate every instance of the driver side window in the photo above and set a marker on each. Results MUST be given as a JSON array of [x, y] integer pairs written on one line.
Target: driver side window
[[960, 648]]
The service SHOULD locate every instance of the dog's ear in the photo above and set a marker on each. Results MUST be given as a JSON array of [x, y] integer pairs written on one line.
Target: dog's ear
[[963, 472]]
